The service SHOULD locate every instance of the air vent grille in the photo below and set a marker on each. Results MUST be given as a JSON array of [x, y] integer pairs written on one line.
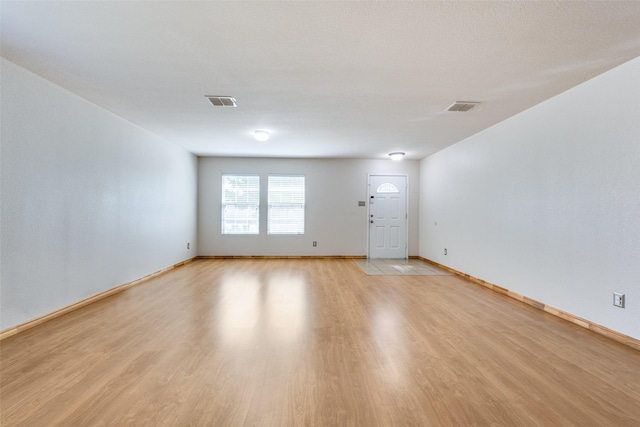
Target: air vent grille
[[222, 101], [462, 106]]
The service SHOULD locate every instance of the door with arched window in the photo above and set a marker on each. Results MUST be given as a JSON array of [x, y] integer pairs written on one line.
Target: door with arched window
[[387, 216]]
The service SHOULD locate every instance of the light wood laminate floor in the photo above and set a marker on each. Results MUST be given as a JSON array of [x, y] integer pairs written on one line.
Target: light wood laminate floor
[[313, 343]]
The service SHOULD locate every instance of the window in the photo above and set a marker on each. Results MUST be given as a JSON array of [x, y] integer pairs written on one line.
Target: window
[[240, 204], [387, 187], [286, 204]]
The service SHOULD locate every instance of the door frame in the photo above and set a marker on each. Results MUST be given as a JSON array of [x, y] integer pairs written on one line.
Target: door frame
[[406, 208]]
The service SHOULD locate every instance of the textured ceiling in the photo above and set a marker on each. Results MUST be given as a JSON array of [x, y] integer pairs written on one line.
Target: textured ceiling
[[328, 79]]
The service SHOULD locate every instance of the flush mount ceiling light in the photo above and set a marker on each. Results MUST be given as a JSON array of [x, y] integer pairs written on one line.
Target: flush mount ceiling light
[[397, 155], [261, 135]]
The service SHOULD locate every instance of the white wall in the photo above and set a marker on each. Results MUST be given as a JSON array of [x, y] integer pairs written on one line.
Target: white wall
[[333, 217], [89, 200], [547, 203]]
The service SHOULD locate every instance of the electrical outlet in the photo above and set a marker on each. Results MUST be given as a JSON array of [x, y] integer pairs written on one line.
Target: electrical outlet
[[188, 245], [445, 251], [315, 243], [618, 299]]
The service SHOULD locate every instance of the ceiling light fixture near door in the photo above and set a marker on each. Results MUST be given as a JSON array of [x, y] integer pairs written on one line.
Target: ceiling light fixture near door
[[396, 155], [261, 135]]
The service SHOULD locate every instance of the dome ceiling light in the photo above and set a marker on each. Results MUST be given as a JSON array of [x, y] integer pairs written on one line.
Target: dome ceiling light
[[261, 135], [396, 155]]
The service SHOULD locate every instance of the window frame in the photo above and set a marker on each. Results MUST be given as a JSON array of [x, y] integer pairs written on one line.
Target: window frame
[[271, 204], [224, 203]]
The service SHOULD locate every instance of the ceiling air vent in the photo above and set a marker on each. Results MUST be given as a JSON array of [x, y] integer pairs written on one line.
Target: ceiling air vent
[[462, 106], [222, 101]]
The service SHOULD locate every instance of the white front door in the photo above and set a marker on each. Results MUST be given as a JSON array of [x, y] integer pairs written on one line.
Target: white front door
[[387, 216]]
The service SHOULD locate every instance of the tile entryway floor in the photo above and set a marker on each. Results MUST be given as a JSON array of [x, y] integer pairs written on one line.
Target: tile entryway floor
[[400, 267]]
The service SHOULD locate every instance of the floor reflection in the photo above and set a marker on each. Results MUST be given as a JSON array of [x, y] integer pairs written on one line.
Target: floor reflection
[[286, 307], [251, 308], [238, 308], [389, 337]]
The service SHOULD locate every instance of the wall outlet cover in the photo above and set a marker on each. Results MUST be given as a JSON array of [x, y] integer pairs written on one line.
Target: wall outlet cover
[[618, 299]]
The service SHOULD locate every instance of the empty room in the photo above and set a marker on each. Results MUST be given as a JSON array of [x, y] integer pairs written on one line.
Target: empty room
[[320, 213]]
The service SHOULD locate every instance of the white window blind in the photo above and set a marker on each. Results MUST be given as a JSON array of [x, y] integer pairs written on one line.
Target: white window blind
[[286, 204], [240, 204]]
